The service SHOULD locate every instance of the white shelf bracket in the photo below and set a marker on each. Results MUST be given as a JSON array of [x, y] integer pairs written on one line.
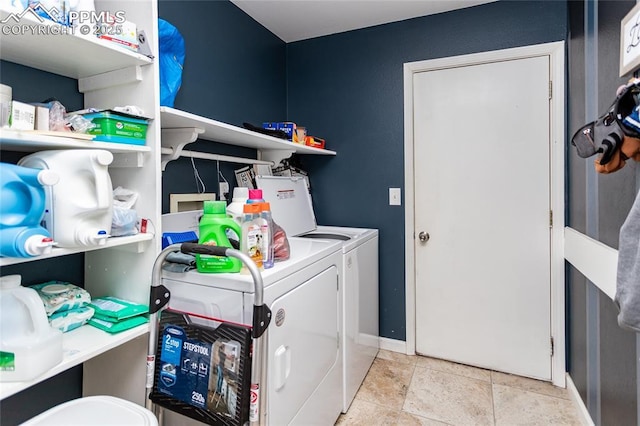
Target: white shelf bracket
[[177, 139], [110, 79], [275, 155]]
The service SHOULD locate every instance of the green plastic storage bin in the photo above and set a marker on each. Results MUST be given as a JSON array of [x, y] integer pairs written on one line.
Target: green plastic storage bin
[[112, 127]]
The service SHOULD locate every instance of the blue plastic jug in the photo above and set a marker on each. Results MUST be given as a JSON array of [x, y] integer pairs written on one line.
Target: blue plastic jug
[[22, 206]]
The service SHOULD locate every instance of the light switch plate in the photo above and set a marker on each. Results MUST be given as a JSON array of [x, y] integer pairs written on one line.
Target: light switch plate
[[224, 190], [395, 197]]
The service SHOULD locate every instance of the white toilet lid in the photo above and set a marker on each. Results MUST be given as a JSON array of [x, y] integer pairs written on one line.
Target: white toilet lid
[[95, 411]]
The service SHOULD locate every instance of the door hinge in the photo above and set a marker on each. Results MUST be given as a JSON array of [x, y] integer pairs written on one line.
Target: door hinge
[[552, 346], [337, 283], [550, 218], [550, 89]]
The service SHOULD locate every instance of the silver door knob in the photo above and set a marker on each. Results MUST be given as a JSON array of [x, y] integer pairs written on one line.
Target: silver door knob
[[423, 237]]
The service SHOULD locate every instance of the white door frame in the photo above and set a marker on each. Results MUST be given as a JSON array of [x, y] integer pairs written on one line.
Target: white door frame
[[556, 53]]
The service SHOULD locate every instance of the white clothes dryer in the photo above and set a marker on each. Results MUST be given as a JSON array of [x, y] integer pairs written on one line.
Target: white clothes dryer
[[304, 358]]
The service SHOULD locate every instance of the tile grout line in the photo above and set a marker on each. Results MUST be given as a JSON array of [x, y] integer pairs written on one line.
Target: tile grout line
[[493, 400], [500, 384], [456, 374], [395, 363]]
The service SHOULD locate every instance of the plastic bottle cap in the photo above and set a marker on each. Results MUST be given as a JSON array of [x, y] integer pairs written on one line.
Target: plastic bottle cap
[[255, 194], [104, 158], [240, 193], [215, 207], [100, 238], [10, 281], [264, 206], [48, 177], [251, 208], [36, 245]]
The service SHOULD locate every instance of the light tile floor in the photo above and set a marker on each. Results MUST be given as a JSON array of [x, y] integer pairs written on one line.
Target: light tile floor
[[415, 390]]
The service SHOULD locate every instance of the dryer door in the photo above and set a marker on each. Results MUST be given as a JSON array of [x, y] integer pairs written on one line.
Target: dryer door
[[303, 345]]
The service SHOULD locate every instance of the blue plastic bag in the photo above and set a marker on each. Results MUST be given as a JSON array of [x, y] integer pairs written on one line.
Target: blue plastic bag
[[171, 48]]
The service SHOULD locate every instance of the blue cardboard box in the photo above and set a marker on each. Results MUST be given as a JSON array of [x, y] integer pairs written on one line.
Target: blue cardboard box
[[286, 126]]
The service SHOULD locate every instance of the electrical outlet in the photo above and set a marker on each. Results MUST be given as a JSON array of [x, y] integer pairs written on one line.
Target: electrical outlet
[[224, 190], [394, 197]]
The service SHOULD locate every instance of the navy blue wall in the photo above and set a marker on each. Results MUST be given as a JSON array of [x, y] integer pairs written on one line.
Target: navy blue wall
[[348, 88], [234, 72], [31, 85], [607, 382]]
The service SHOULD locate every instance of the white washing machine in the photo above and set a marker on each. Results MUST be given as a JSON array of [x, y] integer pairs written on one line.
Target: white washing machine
[[292, 209], [360, 339], [304, 359]]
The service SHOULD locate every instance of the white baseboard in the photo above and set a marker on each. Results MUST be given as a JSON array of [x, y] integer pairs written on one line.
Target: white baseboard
[[585, 417], [393, 345]]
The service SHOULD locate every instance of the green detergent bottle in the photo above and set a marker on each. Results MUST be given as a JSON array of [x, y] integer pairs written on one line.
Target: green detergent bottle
[[213, 226]]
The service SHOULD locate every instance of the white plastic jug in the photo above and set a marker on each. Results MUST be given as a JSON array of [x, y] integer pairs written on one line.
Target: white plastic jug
[[80, 207], [28, 344]]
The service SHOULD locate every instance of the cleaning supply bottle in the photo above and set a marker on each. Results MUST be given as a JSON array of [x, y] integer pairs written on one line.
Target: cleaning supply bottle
[[251, 241], [29, 346], [267, 235], [213, 226], [255, 196], [235, 208]]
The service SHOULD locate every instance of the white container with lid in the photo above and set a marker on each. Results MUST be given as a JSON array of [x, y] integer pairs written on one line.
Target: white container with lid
[[95, 411], [29, 346]]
